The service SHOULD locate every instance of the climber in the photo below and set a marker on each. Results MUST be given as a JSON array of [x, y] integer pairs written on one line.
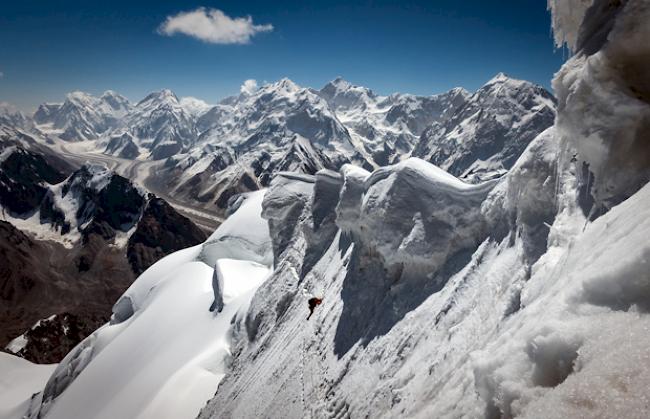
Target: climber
[[313, 302]]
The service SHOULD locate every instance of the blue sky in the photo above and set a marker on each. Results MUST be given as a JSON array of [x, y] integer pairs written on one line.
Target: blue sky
[[48, 48]]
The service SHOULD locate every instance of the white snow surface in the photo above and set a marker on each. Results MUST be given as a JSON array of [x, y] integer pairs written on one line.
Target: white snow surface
[[17, 344], [244, 234], [194, 106], [164, 352], [19, 381], [32, 224]]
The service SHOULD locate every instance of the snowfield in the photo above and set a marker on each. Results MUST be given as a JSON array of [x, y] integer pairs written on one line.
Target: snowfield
[[20, 379], [165, 351]]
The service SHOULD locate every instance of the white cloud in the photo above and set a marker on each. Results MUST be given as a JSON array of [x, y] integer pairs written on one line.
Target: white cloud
[[213, 26], [2, 74], [194, 106], [249, 87]]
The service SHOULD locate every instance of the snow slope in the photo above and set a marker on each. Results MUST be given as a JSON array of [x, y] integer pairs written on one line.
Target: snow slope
[[495, 337], [19, 381], [183, 348]]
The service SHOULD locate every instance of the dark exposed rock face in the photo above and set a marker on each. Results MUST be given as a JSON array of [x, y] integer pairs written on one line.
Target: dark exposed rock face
[[79, 283], [118, 205], [40, 278], [22, 175], [160, 231], [18, 248], [50, 339]]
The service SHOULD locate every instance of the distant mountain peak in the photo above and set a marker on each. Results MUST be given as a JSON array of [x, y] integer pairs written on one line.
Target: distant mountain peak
[[195, 106], [500, 76], [6, 108], [459, 90], [285, 84], [341, 83], [113, 95], [79, 96], [503, 78], [164, 95], [110, 92]]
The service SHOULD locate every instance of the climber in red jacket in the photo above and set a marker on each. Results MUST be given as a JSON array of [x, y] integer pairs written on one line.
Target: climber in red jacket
[[313, 302]]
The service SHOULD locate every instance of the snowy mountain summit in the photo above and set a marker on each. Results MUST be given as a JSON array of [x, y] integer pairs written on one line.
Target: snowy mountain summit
[[490, 132], [83, 116]]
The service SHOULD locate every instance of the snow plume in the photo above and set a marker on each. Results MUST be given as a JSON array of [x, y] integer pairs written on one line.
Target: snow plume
[[249, 87], [213, 26]]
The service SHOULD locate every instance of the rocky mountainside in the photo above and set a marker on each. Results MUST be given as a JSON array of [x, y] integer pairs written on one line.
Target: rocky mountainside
[[71, 242], [523, 296]]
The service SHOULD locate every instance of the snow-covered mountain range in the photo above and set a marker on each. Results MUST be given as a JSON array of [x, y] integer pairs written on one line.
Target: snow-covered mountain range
[[205, 155], [520, 296], [211, 152], [83, 116]]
